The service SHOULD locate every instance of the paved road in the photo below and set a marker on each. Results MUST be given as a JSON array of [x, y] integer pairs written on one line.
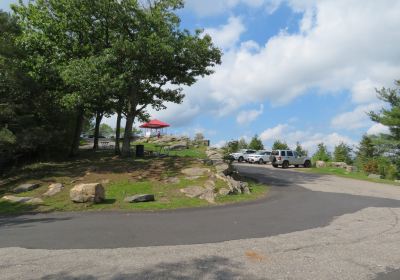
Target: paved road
[[288, 208], [309, 227]]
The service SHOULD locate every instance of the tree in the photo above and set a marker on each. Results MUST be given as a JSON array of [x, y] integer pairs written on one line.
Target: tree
[[231, 147], [279, 145], [366, 150], [242, 144], [105, 130], [256, 143], [342, 153], [156, 58], [389, 143], [322, 153], [300, 151]]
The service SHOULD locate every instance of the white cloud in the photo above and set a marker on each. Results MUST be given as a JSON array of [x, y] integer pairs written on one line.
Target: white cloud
[[213, 7], [357, 118], [226, 36], [377, 129], [246, 117], [274, 133], [364, 91]]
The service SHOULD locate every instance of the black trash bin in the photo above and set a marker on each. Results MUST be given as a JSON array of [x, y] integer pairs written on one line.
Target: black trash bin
[[139, 150]]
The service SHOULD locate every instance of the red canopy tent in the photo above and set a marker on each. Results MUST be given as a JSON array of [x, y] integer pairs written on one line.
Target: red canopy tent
[[157, 125]]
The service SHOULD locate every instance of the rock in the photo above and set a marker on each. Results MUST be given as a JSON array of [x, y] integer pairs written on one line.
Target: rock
[[193, 191], [25, 188], [374, 176], [246, 190], [351, 169], [209, 185], [139, 198], [223, 191], [339, 164], [192, 177], [172, 180], [208, 162], [208, 195], [20, 199], [195, 171], [320, 164], [178, 146], [222, 167], [87, 193], [54, 189]]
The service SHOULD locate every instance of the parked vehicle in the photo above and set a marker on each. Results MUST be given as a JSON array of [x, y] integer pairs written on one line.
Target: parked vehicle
[[242, 154], [285, 158], [259, 157]]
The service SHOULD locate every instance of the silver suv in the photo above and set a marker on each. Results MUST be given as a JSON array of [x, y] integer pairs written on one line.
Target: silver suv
[[259, 157], [285, 158]]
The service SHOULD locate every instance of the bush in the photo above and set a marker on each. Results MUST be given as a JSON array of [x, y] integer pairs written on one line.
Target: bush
[[371, 167]]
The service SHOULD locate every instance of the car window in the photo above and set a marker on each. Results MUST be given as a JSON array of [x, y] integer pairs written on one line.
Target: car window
[[295, 154], [275, 153], [268, 153], [251, 152], [290, 153], [283, 153]]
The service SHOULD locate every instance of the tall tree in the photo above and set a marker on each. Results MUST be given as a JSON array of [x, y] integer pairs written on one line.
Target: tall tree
[[242, 144], [256, 143], [342, 153], [300, 151], [279, 145], [366, 150], [322, 153]]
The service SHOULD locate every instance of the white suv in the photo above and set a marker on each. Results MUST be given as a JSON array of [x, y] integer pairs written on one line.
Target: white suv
[[259, 157], [285, 158], [242, 154]]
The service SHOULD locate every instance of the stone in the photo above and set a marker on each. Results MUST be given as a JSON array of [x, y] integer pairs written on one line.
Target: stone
[[339, 164], [222, 167], [192, 178], [209, 185], [20, 199], [139, 198], [374, 176], [320, 164], [351, 169], [172, 180], [54, 189], [209, 196], [87, 193], [195, 171], [223, 191], [246, 190], [25, 188], [193, 191], [178, 146]]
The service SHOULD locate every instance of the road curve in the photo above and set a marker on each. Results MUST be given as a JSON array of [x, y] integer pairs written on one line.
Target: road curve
[[290, 206]]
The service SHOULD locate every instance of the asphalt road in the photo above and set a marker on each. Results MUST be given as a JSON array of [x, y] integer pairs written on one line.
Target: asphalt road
[[290, 206]]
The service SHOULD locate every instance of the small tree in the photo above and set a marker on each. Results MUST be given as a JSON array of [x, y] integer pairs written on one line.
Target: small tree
[[242, 144], [231, 147], [300, 151], [106, 130], [256, 143], [342, 153], [321, 153], [279, 145]]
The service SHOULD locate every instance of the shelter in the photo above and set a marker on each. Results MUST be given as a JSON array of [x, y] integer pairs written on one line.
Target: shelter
[[154, 127]]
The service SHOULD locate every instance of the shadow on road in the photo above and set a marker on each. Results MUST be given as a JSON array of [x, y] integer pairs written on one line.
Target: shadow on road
[[212, 267]]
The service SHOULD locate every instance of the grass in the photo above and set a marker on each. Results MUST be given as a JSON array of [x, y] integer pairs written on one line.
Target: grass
[[199, 152], [120, 177], [353, 175]]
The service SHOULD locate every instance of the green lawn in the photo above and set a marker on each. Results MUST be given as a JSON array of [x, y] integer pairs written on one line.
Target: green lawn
[[120, 178], [199, 152], [343, 173]]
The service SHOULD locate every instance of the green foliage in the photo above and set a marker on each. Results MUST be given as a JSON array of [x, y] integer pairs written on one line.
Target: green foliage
[[106, 130], [342, 153], [256, 143], [300, 151], [322, 153], [279, 145], [371, 166], [231, 147], [242, 144]]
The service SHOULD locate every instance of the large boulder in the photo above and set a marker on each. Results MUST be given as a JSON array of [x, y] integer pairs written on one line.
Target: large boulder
[[25, 188], [139, 198], [87, 193], [374, 176], [209, 185], [195, 171], [54, 189], [320, 164], [20, 199], [222, 167], [209, 196], [193, 191], [339, 164]]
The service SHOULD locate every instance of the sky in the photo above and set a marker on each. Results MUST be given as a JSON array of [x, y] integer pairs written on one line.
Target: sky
[[293, 70]]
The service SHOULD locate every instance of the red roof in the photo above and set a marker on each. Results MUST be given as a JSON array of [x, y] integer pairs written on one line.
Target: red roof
[[154, 124]]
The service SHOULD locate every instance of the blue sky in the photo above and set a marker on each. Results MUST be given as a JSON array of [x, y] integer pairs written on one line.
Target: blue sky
[[294, 70]]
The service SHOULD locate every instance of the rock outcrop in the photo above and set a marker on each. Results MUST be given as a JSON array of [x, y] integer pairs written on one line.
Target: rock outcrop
[[25, 188], [54, 189], [87, 193], [21, 199]]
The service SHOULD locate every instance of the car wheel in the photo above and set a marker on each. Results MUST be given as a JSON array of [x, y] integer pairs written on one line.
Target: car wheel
[[307, 164], [285, 164], [261, 161], [240, 159]]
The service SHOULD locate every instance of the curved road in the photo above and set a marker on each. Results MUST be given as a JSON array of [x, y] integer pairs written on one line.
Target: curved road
[[297, 201]]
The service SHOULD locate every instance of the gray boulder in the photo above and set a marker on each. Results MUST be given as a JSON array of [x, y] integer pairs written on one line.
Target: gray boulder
[[20, 199], [374, 176], [193, 191], [25, 188], [223, 191], [209, 196], [87, 193], [139, 198], [54, 189], [209, 185]]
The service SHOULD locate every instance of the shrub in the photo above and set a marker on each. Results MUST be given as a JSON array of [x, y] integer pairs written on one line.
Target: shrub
[[371, 166]]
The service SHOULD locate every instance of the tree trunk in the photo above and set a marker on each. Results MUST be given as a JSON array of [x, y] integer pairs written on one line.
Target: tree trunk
[[117, 133], [126, 144], [77, 133], [99, 117]]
